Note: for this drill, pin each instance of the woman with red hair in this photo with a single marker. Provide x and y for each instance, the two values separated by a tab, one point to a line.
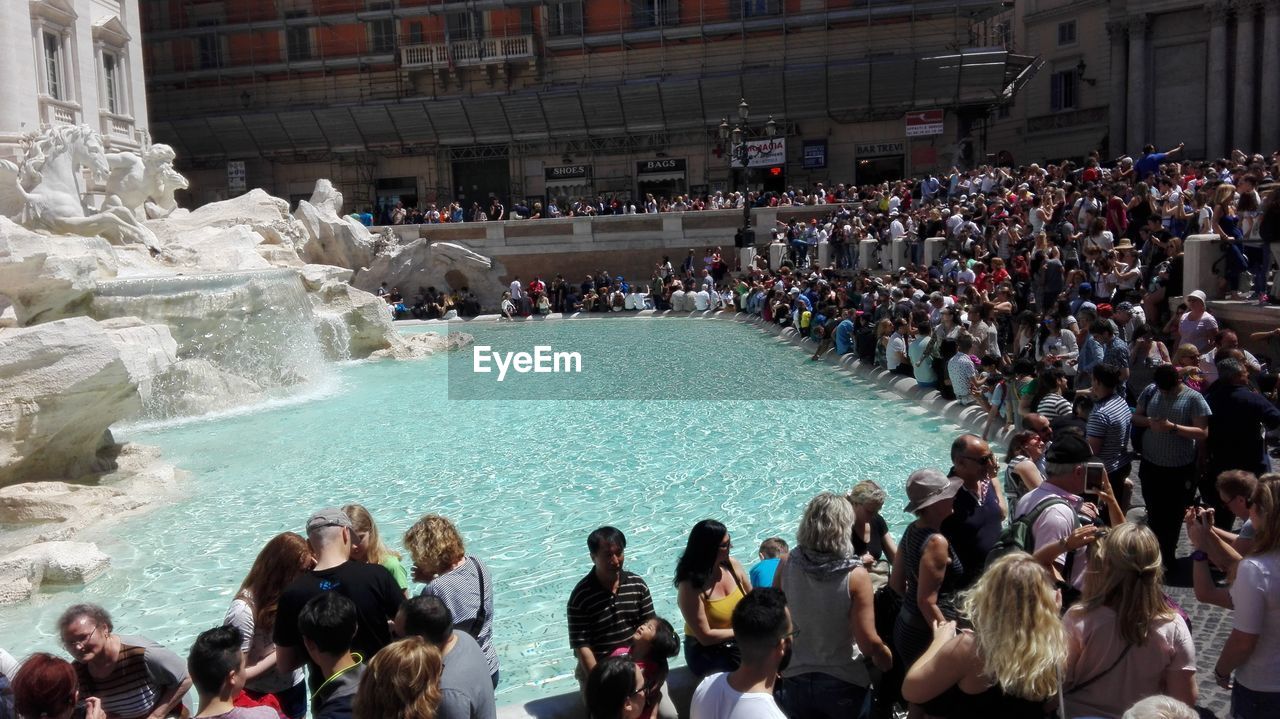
47	687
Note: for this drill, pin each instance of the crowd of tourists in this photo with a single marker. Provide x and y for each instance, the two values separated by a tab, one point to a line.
1052	607
1059	308
494	210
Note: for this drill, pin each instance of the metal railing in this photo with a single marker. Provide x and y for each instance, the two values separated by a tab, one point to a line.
463	53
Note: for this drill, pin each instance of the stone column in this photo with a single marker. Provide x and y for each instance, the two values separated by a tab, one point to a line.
1243	107
1119	33
1138	91
1216	96
1270	64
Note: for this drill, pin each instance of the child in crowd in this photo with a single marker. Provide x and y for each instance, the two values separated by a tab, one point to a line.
216	666
771	550
653	643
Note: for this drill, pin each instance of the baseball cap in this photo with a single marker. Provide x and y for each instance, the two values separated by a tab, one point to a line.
1125	307
329	517
1069	448
929	486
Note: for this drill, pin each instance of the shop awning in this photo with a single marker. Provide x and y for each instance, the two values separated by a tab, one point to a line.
660	177
880	88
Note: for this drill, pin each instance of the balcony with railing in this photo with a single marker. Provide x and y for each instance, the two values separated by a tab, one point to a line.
117	128
467	53
58	112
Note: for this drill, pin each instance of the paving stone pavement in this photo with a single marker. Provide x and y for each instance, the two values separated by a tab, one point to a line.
1210	625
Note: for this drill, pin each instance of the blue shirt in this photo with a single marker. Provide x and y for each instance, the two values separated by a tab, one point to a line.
844	337
762	574
1148	165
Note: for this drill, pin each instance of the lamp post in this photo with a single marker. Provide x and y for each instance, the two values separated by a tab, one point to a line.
737	137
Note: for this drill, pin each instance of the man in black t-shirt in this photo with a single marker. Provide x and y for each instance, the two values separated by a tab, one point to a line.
370	587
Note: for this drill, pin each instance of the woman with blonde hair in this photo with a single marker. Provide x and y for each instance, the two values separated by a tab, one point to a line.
1010	665
872	542
832	611
1187	359
463	582
253	612
402	681
367	545
1124	642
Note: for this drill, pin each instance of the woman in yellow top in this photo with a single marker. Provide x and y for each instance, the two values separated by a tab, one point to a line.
710	584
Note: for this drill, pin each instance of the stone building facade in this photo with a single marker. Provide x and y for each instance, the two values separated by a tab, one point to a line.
72	62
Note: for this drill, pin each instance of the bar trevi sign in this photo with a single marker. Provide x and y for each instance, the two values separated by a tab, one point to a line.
879	149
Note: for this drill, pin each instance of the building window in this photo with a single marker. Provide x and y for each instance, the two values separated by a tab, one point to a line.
566	18
1003	111
54	66
209	46
1064	90
466	26
1004	35
1067	33
297	39
654	13
415	33
758	8
113	84
382	35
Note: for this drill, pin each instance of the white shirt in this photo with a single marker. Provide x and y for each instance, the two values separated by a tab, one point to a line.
516	294
896	229
1256	596
715	699
701	299
896	344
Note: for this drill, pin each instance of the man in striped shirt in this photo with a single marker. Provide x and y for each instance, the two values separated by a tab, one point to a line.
1108	428
607	606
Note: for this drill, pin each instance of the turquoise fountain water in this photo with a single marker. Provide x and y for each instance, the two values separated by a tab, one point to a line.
525	481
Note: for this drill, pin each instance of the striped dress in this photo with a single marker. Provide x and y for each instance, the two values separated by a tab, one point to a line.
144	672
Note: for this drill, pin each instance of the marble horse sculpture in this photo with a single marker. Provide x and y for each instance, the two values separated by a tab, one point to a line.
144	184
44	193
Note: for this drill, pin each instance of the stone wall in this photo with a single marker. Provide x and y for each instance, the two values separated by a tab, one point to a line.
627	245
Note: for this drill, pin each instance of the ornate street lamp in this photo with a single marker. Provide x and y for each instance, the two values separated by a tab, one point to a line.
737	137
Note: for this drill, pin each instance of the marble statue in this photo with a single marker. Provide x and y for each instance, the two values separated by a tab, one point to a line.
137	180
44	193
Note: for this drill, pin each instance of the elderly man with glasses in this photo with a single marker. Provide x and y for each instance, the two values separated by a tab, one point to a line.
980	506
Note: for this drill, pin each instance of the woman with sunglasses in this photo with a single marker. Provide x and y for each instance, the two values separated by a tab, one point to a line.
616	690
1249	662
1023	466
709	584
132	677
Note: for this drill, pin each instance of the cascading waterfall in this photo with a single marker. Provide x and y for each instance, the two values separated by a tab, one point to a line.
240	335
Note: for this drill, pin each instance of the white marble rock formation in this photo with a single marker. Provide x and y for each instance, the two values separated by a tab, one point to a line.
62	384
